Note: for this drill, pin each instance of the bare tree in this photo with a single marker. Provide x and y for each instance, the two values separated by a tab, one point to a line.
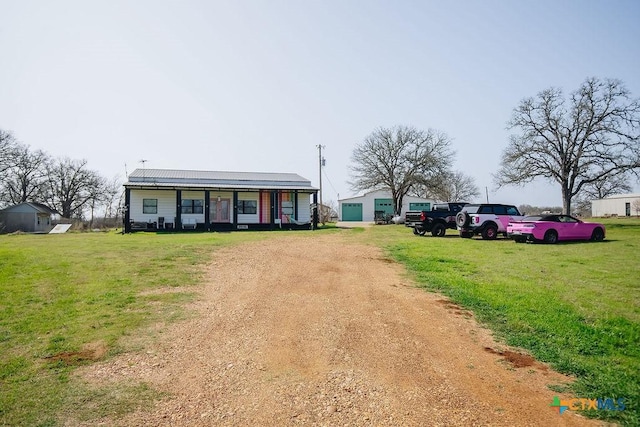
618	184
24	180
636	206
111	197
71	186
328	210
449	187
399	158
600	189
8	146
96	196
105	197
591	138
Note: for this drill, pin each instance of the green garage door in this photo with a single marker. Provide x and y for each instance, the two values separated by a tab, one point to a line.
385	205
420	206
352	211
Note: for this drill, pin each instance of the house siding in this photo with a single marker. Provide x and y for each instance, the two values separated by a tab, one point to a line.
250	218
166	205
304	211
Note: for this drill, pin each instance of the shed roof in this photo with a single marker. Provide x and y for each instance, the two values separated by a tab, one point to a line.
169	178
27	207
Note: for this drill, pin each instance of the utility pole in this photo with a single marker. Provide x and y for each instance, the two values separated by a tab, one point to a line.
321	163
486	190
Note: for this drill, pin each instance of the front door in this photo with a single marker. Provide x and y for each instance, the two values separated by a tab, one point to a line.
219	210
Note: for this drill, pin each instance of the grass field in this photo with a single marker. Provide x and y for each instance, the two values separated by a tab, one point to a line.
573	305
67	299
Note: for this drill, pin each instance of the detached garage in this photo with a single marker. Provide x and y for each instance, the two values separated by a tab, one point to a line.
363	208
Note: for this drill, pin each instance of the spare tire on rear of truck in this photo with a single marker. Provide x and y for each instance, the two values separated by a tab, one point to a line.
462	219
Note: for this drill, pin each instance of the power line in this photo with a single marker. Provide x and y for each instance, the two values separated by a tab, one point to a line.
330	183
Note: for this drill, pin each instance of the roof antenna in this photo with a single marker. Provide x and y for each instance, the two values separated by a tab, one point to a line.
143	161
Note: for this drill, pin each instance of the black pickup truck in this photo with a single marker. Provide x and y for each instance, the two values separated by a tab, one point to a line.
436	221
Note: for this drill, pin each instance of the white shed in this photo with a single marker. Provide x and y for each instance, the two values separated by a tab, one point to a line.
616	205
363	208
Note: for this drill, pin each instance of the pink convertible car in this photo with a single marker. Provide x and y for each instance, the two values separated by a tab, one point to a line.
553	228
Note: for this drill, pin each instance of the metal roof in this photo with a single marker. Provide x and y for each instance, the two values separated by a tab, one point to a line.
168	178
26	207
622	196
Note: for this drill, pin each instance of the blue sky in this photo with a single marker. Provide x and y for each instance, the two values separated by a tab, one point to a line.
256	85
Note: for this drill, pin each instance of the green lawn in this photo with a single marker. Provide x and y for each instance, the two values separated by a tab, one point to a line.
575	306
59	293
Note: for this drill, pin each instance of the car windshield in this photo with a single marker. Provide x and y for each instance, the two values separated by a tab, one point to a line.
533	218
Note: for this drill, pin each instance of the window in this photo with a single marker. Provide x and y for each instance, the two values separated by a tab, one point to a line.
192	206
512	210
247	206
150	206
500	210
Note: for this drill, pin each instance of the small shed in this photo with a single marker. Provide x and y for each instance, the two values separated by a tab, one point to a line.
616	205
29	217
363	208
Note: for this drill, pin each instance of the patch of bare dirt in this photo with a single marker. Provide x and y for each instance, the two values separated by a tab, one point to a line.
311	329
90	351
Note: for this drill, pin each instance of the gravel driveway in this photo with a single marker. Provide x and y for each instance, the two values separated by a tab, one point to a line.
313	329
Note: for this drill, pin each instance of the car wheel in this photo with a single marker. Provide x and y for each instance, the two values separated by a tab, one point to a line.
519	240
490	232
597	235
466	234
438	230
415	231
551	236
462	219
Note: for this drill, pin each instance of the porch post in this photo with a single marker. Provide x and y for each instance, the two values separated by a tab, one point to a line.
235	208
127	210
207	202
315	210
178	224
272	198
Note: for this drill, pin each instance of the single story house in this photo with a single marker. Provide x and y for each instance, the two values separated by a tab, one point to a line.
167	199
616	205
29	217
363	208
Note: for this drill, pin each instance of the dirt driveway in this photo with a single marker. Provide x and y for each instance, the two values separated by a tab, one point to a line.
307	329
